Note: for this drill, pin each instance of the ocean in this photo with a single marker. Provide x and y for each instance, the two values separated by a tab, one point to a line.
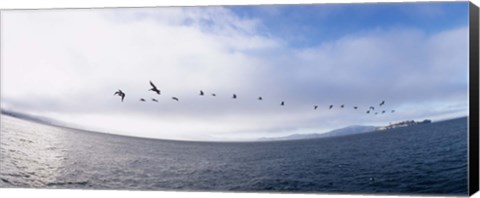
422	159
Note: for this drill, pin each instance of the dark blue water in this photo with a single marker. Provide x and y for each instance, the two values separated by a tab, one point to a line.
422	159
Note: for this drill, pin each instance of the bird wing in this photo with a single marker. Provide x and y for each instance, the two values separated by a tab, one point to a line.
153	85
117	92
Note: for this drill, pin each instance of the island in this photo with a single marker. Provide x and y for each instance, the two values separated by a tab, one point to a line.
403	124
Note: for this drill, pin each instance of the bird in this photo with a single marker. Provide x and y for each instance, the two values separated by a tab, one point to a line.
175	98
154	88
382	103
341	106
234	96
376	113
372	108
260	98
142	100
120	93
213	94
330	107
355	107
393	111
283	103
383	111
315	107
368	111
154	100
201	92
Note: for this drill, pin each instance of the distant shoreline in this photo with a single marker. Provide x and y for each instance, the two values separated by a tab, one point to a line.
54	123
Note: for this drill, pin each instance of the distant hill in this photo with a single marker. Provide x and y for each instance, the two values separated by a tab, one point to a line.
350	130
38	119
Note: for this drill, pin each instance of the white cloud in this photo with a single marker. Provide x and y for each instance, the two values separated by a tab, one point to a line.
67	64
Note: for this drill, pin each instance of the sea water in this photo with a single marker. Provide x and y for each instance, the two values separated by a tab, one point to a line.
421	159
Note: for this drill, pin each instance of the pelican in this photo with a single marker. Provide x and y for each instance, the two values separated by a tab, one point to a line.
315	107
330	107
154	88
234	96
142	100
382	103
283	103
260	98
341	106
154	100
120	93
355	107
201	92
175	98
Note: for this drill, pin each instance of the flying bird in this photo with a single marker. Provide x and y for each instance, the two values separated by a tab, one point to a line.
393	111
283	103
382	103
372	108
341	106
120	93
154	88
260	98
368	111
376	113
213	94
154	100
315	107
201	92
175	98
355	107
234	96
142	100
330	107
383	111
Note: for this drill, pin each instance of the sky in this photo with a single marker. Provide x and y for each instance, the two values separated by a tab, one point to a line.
66	65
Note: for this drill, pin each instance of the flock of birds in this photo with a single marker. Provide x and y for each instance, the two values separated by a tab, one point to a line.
371	109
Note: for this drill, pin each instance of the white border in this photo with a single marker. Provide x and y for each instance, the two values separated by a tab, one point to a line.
42	4
39	4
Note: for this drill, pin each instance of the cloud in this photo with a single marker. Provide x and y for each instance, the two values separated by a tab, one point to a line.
66	64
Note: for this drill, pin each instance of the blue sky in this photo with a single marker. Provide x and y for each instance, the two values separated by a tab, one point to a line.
309	25
413	56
